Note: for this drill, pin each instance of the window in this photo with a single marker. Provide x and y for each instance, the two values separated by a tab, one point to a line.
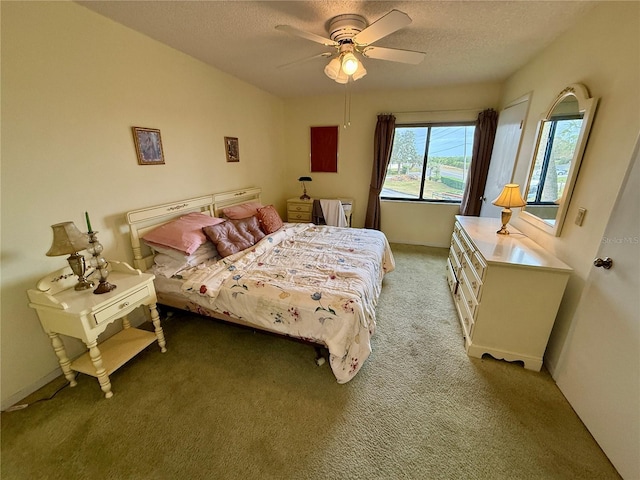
429	162
558	141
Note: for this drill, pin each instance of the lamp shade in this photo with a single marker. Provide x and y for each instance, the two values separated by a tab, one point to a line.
342	77
510	197
349	63
359	73
332	69
67	239
304	179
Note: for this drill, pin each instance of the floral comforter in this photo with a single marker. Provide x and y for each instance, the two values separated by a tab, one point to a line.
316	283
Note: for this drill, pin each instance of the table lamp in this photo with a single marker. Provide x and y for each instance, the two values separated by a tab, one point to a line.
67	239
508	199
304	195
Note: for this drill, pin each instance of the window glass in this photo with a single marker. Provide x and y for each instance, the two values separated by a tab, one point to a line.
558	141
429	162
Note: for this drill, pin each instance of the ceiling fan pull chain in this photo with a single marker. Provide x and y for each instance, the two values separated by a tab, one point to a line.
347	106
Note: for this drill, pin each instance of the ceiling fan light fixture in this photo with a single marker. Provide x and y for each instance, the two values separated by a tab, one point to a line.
342	77
359	73
349	63
332	69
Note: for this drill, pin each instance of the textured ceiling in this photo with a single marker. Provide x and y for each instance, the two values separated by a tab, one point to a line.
465	41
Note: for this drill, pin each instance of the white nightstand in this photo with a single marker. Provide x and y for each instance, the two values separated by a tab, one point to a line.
300	211
85	315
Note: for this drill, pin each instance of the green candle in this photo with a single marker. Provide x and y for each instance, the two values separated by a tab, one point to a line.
86	215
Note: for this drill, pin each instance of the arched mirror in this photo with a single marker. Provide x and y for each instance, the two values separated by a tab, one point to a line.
560	144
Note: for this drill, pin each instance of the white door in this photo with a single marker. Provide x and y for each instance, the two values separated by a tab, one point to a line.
505	150
599	370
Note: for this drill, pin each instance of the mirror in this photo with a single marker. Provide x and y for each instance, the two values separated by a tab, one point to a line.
561	140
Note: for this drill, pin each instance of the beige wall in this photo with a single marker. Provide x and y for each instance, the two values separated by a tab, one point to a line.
426	224
603	53
73	85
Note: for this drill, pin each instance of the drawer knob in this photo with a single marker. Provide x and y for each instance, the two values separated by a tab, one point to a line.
124	305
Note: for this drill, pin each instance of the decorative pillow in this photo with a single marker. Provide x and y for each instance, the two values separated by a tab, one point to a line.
234	236
249	228
270	220
245	210
183	234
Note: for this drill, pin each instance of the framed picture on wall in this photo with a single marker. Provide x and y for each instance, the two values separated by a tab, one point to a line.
232	149
148	146
324	149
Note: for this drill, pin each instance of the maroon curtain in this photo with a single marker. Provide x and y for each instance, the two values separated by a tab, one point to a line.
382	143
483	138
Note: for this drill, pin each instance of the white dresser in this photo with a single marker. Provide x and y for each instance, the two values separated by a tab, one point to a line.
506	289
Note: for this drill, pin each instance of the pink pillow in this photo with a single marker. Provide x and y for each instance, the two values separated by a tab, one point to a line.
269	218
245	210
183	234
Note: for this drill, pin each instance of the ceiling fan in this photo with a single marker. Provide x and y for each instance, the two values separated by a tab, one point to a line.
350	34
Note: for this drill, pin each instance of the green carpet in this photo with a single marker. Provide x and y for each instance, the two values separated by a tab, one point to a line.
226	402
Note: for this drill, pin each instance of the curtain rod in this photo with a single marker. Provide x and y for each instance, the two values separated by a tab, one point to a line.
441	111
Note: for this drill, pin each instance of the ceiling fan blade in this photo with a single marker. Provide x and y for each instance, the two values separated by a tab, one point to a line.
394	55
308	35
392	21
304	60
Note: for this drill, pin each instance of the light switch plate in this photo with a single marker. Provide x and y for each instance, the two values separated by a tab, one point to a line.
580	216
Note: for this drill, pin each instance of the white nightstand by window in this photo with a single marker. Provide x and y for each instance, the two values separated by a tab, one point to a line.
85	315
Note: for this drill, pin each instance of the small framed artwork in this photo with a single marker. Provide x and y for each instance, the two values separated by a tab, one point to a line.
148	146
232	149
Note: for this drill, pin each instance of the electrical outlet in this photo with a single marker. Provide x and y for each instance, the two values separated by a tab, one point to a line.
580	216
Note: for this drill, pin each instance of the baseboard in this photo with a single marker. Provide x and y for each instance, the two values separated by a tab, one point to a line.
25	392
419	244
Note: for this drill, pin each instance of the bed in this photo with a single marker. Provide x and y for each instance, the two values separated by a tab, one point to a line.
318	284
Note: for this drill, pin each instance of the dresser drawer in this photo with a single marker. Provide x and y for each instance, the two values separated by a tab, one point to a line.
115	310
456	246
479	265
455	261
468	294
452	279
474	280
294	216
467	244
465	315
300	207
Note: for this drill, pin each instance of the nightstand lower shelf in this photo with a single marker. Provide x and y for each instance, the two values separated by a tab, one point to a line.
115	351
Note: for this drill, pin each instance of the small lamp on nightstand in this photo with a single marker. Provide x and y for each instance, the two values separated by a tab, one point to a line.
67	239
508	199
304	195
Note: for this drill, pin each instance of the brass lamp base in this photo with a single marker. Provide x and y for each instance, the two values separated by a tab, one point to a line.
79	267
104	287
505	217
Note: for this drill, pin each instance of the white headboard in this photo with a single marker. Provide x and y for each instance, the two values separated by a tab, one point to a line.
146	219
234	197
